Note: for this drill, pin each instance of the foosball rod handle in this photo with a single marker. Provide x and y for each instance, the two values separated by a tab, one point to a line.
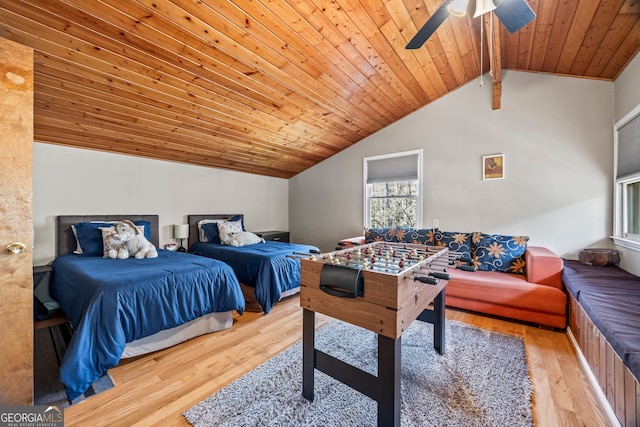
427	280
438	275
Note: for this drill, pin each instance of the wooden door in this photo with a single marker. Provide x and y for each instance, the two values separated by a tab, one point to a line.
16	223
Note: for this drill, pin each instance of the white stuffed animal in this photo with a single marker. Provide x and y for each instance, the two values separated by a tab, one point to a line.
134	240
113	246
243	238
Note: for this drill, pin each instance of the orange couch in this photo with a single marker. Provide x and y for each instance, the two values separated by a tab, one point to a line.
537	297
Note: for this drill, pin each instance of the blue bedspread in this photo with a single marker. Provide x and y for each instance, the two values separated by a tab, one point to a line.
263	266
111	302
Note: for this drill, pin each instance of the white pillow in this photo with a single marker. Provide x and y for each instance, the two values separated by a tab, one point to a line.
227	227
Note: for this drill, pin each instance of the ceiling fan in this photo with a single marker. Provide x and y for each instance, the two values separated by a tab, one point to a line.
514	14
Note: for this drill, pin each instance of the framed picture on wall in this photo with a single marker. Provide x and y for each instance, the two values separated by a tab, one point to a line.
493	166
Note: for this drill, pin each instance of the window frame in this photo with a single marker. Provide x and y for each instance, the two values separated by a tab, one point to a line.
419	187
620	237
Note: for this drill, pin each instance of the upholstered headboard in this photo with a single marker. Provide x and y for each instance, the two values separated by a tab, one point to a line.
193	224
66	241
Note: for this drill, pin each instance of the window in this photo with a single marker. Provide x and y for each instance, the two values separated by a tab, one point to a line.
627	190
393	190
632	193
629	211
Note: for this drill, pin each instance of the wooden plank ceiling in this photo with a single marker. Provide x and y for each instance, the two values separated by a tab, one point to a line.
273	87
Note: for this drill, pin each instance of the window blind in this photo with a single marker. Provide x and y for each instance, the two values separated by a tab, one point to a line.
400	168
629	148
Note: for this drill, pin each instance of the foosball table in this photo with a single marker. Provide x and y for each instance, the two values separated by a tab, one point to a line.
382	287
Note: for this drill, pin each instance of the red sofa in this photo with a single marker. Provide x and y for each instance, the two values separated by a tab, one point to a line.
537	297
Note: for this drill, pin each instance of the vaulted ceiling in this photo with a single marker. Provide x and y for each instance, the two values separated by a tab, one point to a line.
273	87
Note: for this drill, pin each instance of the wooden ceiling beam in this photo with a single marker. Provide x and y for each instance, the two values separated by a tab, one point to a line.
493	41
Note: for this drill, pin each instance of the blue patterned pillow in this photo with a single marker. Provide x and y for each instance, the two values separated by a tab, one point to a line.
422	236
501	253
456	242
398	234
386	234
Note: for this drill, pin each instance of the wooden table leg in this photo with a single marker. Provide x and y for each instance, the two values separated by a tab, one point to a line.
389	377
438	325
308	353
437	318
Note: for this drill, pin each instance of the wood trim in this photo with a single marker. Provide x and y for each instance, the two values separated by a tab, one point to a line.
617	383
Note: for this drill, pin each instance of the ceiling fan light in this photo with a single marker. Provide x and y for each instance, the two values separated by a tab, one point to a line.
458	7
483	6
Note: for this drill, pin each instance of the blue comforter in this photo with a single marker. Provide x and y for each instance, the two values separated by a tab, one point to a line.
263	266
111	302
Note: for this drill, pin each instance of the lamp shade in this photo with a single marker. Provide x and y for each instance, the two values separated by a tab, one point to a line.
181	231
458	7
483	6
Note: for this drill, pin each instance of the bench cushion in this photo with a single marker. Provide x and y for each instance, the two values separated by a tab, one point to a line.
611	297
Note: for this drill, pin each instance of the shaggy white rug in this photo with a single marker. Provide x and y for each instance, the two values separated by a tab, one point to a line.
482	380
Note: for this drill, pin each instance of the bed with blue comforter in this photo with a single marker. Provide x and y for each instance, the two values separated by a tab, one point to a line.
271	267
112	302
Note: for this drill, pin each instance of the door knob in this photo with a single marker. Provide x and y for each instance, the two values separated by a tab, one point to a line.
15	248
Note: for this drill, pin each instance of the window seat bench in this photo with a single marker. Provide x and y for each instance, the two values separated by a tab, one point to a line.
604	320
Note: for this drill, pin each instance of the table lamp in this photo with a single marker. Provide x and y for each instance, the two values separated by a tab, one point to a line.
181	231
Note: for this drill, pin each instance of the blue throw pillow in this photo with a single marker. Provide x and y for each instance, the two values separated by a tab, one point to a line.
89	235
455	241
211	232
421	236
147	228
501	253
386	234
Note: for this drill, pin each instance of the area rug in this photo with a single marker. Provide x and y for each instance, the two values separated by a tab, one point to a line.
482	380
49	347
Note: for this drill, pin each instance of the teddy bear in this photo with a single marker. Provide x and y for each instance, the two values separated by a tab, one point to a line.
242	238
134	241
113	246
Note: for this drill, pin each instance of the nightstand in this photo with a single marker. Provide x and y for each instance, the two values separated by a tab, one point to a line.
47	312
274	235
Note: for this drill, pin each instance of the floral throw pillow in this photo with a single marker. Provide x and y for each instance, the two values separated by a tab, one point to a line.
501	253
423	236
455	241
386	234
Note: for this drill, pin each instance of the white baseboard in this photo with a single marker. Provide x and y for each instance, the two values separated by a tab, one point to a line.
593	381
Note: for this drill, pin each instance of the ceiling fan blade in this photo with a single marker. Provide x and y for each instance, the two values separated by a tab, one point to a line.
429	27
514	14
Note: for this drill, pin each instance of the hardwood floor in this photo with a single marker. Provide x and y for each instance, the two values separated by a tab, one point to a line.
155	389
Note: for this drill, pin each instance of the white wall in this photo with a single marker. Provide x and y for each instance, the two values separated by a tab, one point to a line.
627	89
627	92
70	181
556	134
